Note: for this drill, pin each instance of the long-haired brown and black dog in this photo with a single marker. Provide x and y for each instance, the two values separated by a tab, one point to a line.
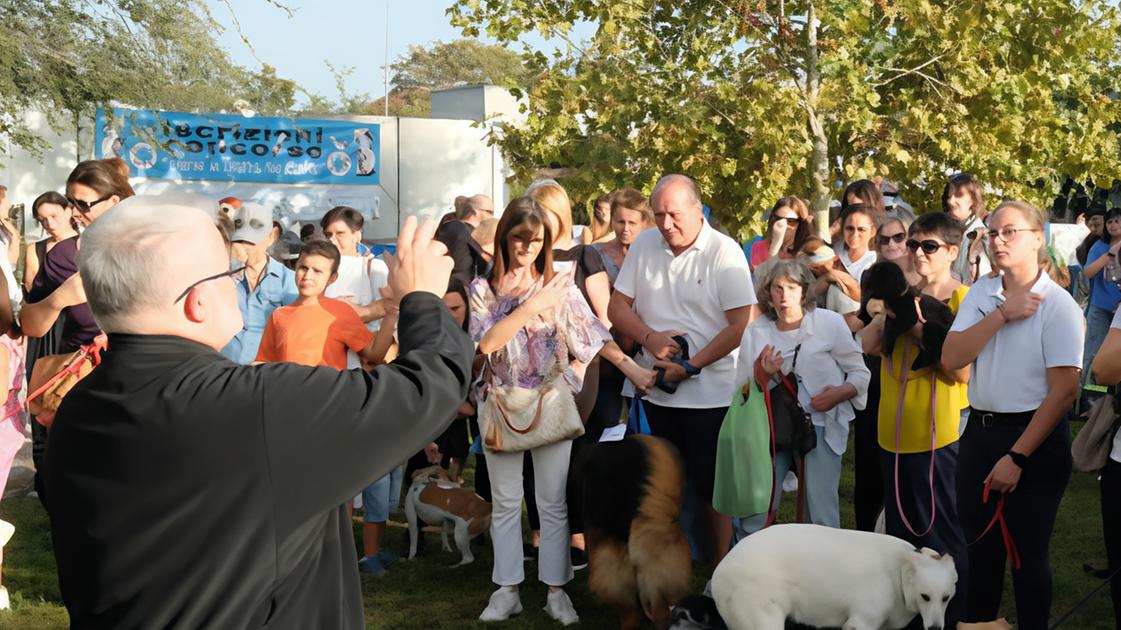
638	556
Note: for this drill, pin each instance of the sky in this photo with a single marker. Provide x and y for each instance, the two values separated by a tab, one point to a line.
348	33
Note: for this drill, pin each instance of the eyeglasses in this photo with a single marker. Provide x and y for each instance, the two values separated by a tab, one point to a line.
928	246
896	238
236	274
851	229
1008	234
85	206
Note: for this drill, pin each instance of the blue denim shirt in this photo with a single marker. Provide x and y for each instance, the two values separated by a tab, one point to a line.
277	288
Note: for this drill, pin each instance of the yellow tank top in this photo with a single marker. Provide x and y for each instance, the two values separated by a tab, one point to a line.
915	418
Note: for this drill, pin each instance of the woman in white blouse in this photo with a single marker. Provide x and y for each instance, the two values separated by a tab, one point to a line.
830	374
1022	333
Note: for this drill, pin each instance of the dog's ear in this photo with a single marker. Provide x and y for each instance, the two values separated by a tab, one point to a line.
907	580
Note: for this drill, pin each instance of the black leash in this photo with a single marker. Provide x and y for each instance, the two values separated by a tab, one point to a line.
1082	602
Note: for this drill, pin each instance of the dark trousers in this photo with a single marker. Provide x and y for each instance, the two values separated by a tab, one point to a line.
945	534
1029	511
1111	528
868	490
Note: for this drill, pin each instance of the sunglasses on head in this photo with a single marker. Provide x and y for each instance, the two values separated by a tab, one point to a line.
928	246
85	206
894	238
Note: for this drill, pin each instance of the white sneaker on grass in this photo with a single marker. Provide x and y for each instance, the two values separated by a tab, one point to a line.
504	603
559	607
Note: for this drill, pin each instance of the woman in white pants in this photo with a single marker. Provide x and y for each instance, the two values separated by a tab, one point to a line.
533	325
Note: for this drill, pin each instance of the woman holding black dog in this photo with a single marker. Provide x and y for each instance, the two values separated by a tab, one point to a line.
815	350
1023	335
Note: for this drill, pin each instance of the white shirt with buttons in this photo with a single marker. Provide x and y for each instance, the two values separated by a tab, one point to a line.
1010	373
689	292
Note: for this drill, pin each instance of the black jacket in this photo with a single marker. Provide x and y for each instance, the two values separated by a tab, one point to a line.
187	491
468	256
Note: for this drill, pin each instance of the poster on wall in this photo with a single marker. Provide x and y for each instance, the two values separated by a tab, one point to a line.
223	147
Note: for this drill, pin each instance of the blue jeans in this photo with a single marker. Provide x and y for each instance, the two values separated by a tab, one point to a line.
1097	326
380	498
822	478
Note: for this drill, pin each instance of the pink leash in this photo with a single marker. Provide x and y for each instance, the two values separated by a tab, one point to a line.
933	440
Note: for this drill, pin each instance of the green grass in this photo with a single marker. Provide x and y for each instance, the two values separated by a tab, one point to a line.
425	593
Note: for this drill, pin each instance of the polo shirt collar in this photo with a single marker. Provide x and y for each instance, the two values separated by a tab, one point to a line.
1040	286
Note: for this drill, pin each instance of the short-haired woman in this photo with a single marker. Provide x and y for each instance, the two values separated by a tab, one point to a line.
813	346
1022	334
964	202
532	323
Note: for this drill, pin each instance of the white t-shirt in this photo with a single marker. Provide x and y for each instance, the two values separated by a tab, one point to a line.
1115	454
856	268
360	278
14	292
689	292
1010	373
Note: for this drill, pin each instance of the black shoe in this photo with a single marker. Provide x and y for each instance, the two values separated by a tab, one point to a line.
579	558
529	551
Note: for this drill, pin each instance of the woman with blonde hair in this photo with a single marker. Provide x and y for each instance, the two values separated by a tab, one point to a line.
630	215
1022	333
600	230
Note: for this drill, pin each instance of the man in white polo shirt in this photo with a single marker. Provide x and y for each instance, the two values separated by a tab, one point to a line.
688	280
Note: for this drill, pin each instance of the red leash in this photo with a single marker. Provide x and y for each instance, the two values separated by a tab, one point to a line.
772	511
998	517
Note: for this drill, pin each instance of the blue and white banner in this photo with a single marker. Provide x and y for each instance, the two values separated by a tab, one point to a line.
177	145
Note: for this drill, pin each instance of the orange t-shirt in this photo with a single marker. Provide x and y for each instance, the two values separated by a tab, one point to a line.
314	334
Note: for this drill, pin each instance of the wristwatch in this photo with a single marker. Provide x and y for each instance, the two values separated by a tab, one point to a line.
690	369
1019	459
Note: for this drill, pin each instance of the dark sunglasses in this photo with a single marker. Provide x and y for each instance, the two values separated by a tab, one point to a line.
790	220
928	246
85	206
236	274
894	238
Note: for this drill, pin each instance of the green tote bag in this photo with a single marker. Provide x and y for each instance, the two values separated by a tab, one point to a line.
744	472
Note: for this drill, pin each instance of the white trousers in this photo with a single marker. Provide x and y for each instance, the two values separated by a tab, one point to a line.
550	473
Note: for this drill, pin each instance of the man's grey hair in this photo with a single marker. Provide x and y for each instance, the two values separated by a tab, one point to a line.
470	207
668	180
124	257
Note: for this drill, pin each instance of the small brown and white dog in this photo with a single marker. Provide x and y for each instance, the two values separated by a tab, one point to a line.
437	500
999	624
638	556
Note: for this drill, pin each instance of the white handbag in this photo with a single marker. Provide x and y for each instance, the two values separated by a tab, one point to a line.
516	419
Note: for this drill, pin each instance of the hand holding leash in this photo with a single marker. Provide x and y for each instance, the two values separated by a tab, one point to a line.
660	344
770	360
1004	477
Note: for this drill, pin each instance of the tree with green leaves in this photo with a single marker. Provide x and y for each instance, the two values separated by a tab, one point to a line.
68	57
761	98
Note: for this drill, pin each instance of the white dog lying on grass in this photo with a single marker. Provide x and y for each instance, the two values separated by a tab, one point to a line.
831	578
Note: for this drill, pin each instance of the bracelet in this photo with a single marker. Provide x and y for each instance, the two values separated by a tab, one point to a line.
1019	459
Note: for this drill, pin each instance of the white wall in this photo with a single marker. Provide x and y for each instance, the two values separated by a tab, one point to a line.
27	176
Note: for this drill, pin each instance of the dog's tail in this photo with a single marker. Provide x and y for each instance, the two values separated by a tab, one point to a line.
658	547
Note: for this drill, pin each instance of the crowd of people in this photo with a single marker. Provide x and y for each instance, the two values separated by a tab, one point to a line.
651	309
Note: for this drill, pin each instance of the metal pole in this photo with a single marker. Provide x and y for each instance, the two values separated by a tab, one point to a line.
386	66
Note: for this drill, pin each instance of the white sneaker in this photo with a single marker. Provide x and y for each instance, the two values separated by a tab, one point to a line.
6	531
559	607
5	604
504	603
790	482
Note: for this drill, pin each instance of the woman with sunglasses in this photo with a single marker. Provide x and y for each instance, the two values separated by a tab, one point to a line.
891	245
788	227
56	294
1022	333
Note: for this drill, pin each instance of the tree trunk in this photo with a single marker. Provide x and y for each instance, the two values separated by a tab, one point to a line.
819	158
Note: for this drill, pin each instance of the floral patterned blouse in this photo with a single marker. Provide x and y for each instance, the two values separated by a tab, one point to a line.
534	353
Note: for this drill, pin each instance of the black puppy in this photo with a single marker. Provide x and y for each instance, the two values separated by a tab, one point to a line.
885	288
